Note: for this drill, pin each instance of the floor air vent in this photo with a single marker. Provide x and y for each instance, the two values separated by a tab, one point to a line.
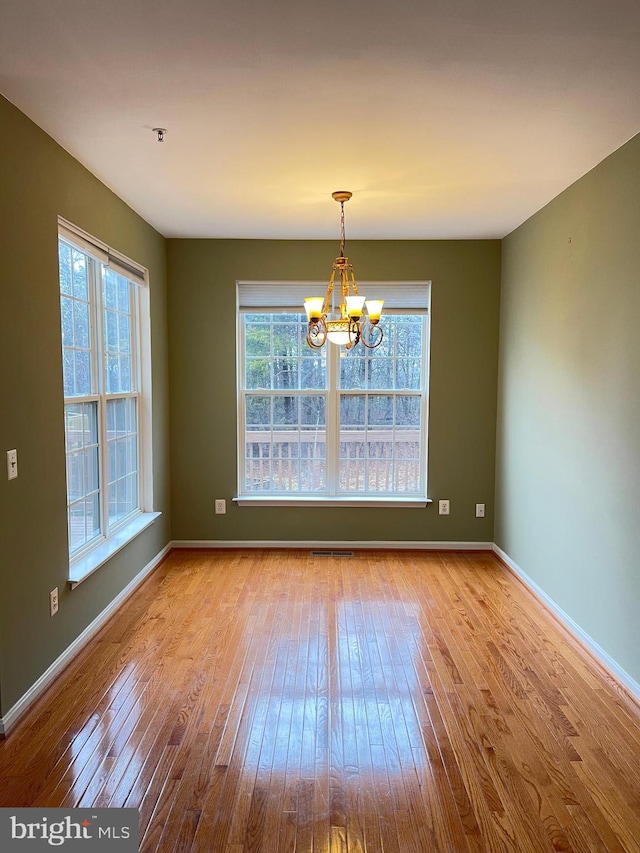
332	553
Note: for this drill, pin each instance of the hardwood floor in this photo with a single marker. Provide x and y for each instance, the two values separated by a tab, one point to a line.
384	703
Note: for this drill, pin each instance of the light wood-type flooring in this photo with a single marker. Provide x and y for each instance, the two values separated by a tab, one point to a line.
388	702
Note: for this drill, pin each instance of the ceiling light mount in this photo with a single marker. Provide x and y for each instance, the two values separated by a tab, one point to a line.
356	318
161	132
341	196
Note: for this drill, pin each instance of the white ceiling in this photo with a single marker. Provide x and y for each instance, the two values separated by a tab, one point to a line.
445	118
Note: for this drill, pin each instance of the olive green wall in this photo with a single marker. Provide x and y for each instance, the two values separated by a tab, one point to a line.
202	278
568	440
38	182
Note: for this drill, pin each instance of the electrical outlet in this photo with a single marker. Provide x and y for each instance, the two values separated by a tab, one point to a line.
221	506
479	510
12	464
53	602
444	507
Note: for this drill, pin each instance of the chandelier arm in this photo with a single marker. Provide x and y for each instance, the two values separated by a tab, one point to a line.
326	308
344	290
354	326
379	340
317	330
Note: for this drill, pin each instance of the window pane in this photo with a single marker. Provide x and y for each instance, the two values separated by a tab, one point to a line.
66	311
258	410
117	333
123	294
313	476
380	475
74	477
406	444
82	374
408	373
81	325
285	461
257	339
257	474
90	466
109	289
352	474
67	372
380	410
75	520
406	475
131	415
381	373
79	275
122	457
312	410
124	333
112	374
285	410
64	264
352	410
285	373
83	482
258	373
74	317
313	371
408	410
111	331
353	370
387	347
126	379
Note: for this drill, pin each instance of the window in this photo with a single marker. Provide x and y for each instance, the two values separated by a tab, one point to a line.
104	379
331	423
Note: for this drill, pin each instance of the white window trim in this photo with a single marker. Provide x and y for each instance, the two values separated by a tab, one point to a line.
285	297
90	561
330	500
96	553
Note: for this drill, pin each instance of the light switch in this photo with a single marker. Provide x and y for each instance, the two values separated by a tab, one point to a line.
12	464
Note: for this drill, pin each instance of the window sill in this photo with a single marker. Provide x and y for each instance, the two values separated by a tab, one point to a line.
92	561
382	501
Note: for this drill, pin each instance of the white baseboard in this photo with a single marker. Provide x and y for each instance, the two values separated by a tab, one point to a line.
22	705
337	544
613	668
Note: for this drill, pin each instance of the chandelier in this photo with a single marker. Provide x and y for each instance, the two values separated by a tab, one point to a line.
356	319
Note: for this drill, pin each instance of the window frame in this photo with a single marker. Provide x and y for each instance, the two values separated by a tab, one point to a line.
284	292
113	534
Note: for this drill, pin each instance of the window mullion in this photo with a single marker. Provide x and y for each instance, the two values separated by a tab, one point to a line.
333	419
242	427
134	339
424	411
136	373
102	405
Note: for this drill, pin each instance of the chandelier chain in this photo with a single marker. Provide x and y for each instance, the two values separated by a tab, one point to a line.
342	235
